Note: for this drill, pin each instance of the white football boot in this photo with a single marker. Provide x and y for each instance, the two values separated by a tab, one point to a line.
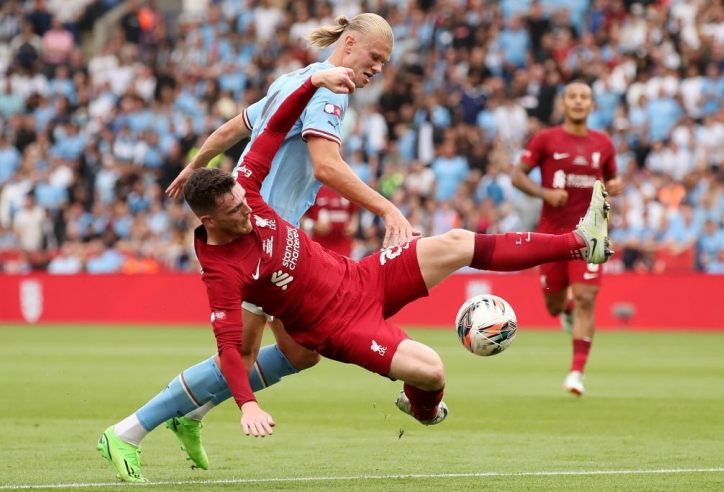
593	227
574	383
403	403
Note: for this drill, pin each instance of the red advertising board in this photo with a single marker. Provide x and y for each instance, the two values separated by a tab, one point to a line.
671	301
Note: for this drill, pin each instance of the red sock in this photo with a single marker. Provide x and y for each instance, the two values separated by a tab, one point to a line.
423	403
515	251
581	347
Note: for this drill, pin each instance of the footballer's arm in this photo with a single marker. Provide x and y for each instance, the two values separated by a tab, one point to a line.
225	304
521	180
218	142
332	171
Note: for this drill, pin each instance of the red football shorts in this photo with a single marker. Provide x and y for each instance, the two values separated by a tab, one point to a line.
558	275
388	280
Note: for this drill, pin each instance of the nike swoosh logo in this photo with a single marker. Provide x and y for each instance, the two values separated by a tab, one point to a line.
593	248
255	275
589	276
558	156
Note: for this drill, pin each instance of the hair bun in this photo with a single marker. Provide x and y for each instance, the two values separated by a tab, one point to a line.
342	20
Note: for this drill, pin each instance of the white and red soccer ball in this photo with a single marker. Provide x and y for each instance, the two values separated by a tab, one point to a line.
486	324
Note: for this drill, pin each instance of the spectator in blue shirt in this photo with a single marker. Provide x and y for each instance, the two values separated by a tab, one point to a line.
450	171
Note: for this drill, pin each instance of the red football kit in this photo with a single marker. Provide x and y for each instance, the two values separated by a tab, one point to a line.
572	163
327	302
337	211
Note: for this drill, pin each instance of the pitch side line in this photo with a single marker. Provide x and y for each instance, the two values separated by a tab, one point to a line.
369	477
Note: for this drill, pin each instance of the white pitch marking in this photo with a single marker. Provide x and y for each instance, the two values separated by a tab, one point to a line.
369	477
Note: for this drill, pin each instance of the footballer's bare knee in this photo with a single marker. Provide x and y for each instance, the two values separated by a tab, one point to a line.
432	375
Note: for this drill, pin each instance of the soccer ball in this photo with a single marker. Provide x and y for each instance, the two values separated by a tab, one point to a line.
486	324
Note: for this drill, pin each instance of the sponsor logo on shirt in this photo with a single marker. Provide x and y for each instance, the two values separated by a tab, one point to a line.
217	315
281	279
330	108
562	180
580	181
291	251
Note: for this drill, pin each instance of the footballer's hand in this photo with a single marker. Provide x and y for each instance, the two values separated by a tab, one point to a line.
555	197
614	186
256	421
176	189
338	79
398	230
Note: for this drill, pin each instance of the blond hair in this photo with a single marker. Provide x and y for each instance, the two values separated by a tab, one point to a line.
367	24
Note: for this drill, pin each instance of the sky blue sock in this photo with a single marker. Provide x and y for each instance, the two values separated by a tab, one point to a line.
189	390
270	367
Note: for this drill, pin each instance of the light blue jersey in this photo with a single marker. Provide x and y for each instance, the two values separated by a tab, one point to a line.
290	188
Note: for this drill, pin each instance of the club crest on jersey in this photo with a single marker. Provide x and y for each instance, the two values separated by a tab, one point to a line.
330	108
262	222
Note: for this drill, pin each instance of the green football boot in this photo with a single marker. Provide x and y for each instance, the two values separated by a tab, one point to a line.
188	433
123	457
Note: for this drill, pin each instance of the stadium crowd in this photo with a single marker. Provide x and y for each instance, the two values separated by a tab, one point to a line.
89	140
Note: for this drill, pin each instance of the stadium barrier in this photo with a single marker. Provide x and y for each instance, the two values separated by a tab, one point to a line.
642	302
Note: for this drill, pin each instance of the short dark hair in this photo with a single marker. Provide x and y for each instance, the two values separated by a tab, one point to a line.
204	188
578	81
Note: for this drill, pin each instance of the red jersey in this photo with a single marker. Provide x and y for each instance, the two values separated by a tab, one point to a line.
572	163
337	211
276	266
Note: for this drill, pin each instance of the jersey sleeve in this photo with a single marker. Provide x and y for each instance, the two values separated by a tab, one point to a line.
225	304
323	116
253	112
534	153
256	163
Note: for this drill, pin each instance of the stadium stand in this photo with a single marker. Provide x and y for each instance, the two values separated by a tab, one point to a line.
97	122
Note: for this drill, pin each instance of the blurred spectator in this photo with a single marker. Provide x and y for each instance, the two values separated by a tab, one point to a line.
29	223
67	261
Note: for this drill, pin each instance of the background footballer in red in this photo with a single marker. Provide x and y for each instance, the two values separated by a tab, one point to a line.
332	221
571	157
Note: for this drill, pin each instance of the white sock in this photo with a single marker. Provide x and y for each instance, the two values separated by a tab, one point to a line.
200	413
130	430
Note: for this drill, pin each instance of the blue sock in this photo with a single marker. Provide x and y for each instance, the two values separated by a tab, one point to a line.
189	390
270	367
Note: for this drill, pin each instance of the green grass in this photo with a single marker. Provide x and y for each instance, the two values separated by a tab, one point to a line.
654	402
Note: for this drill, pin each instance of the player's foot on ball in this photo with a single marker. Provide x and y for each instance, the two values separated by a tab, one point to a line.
593	228
188	432
574	383
123	457
403	403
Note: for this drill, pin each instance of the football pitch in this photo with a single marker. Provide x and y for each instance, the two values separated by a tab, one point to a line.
652	418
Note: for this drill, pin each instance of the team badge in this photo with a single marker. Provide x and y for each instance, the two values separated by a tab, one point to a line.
330	108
